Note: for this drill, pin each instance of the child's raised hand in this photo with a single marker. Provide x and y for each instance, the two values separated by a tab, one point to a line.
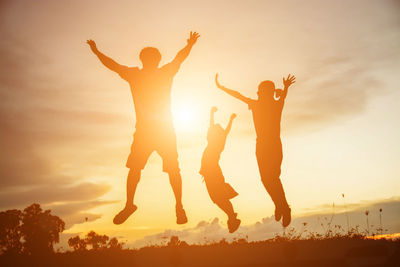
233	116
214	109
289	80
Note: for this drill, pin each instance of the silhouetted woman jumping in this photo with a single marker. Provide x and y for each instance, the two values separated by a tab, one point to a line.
220	192
267	113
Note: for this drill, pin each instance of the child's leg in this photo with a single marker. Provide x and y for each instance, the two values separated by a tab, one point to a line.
233	222
227	207
274	187
269	159
269	163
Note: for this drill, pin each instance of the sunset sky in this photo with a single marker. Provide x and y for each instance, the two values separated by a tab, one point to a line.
66	122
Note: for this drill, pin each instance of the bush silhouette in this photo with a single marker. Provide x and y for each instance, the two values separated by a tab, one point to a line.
94	241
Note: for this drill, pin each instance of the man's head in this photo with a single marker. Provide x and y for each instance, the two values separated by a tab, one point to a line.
150	57
266	89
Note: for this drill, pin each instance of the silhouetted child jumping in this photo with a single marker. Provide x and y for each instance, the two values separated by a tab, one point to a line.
219	191
267	113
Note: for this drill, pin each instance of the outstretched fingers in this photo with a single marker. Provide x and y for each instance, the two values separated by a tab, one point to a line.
193	37
290	79
194	34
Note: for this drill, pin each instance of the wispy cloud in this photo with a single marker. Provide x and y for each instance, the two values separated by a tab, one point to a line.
339	87
77	212
55	193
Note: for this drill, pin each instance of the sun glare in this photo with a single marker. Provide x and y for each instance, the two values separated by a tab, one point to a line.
185	118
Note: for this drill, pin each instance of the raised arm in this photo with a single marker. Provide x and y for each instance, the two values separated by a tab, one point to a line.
213	110
184	53
107	61
286	82
232	92
229	126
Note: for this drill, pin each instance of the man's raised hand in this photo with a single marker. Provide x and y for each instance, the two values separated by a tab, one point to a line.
92	45
289	81
233	116
193	38
214	109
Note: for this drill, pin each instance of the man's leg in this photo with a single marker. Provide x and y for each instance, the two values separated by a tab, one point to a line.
175	180
131	184
169	154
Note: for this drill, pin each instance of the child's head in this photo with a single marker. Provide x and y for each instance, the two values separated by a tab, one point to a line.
216	134
266	89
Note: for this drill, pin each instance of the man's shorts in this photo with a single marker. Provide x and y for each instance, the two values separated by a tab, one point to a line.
145	142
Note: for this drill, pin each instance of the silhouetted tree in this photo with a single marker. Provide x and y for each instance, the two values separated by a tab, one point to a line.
10	231
77	243
40	230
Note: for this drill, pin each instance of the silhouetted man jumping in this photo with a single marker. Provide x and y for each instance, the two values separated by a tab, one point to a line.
267	113
151	93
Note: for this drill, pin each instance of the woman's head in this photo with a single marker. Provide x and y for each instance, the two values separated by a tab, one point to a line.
266	89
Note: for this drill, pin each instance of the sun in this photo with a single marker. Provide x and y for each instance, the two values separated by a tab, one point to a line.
185	118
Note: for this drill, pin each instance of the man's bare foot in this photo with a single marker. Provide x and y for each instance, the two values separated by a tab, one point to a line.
181	215
124	214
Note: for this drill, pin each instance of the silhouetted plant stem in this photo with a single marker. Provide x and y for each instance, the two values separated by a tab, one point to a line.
347	215
366	214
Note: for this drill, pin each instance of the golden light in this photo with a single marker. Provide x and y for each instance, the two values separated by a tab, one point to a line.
185	118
